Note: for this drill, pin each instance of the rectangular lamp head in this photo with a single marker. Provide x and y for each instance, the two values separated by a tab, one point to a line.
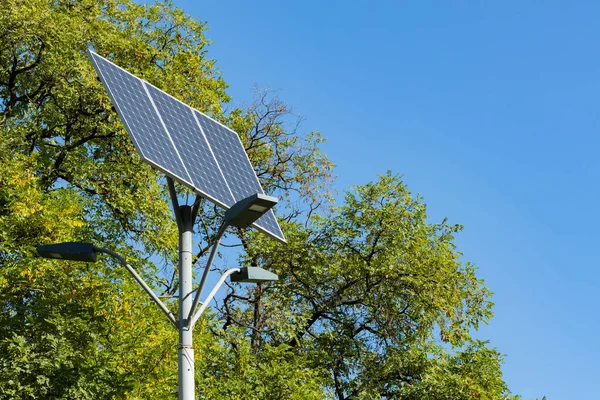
253	275
243	213
73	251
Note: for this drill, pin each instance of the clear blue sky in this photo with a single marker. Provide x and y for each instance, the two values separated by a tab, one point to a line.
491	112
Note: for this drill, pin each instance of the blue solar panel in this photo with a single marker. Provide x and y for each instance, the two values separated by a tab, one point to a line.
184	143
193	148
141	120
236	167
231	156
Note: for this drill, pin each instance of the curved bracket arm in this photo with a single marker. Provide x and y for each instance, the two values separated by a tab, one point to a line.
139	280
174	201
211	295
213	253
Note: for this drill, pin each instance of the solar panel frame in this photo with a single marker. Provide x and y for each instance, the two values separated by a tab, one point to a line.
262	223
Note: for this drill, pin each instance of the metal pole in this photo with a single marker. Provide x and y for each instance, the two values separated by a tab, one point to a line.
185	352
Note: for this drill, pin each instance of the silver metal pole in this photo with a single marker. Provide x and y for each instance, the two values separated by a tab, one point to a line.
185	352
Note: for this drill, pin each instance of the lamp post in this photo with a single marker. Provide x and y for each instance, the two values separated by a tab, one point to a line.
241	215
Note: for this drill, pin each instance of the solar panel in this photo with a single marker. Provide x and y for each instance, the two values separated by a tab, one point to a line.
185	144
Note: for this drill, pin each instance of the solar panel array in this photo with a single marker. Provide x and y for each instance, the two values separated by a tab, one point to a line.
182	142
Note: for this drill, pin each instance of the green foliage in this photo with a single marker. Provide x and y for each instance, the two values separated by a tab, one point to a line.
363	290
241	373
66	329
374	301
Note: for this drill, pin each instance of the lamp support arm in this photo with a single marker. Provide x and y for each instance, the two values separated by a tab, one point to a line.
211	295
175	202
141	282
211	258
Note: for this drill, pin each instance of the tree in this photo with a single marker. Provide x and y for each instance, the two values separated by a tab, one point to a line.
369	291
362	292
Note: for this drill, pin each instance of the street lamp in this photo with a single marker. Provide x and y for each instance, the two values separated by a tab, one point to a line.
69	251
76	251
240	215
243	213
87	252
253	275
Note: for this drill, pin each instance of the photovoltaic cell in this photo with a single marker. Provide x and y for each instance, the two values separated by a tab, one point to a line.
236	167
191	145
141	120
231	156
184	143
